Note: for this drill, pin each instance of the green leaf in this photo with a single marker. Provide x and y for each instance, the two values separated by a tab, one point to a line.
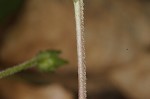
49	60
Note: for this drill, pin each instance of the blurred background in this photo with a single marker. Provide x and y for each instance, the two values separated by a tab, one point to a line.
117	48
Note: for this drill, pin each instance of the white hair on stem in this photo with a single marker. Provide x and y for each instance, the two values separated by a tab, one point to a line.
79	17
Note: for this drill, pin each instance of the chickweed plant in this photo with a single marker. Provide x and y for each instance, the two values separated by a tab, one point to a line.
46	61
49	60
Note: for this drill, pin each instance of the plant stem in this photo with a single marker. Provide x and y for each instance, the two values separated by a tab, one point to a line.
79	17
18	68
46	61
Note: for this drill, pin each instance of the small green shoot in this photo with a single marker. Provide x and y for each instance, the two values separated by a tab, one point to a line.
46	61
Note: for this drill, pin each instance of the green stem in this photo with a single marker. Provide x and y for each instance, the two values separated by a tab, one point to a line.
18	68
44	61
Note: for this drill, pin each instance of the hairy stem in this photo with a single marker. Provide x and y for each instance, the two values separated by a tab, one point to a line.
79	17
